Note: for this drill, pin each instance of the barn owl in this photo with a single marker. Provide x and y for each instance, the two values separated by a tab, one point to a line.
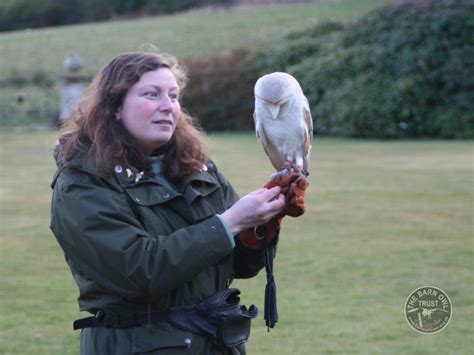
283	122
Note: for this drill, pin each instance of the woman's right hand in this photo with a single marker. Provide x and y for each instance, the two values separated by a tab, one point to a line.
254	209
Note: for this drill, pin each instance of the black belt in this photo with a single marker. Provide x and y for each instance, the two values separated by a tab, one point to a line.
220	316
120	320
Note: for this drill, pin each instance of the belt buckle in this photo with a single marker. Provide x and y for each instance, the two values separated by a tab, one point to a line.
99	315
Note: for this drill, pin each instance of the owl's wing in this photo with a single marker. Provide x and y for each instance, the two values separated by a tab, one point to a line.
308	134
275	157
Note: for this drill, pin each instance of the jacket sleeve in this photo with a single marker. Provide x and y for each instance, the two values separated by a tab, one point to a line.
99	232
247	262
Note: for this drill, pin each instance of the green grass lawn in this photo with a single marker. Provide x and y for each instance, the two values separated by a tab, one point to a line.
384	218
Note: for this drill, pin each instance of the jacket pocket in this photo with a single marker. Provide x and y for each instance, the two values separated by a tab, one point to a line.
160	339
205	201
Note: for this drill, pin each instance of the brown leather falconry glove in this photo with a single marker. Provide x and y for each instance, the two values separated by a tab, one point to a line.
293	186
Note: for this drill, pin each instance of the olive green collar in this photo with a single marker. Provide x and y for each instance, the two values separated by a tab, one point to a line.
190	186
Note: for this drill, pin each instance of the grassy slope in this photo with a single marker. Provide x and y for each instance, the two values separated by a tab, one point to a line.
40	53
191	34
383	219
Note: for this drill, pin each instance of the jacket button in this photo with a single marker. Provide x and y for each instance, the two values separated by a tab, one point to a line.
118	169
137	199
166	195
213	228
187	341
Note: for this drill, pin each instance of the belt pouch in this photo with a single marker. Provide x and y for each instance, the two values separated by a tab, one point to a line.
219	317
234	330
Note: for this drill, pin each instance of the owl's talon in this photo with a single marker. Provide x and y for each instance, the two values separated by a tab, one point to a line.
277	174
282	172
289	169
296	169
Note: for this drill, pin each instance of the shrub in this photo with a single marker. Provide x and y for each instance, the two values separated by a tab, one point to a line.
18	14
403	70
171	6
21	14
124	6
77	11
220	94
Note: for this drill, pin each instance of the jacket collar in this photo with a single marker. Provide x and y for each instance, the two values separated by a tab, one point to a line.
79	162
191	186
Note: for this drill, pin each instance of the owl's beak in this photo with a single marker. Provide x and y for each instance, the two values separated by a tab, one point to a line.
274	110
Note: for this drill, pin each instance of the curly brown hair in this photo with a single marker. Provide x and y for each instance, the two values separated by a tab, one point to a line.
92	127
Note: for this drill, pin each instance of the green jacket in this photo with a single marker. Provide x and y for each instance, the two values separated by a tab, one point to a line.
134	245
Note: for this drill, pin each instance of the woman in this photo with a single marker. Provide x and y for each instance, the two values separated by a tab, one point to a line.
148	225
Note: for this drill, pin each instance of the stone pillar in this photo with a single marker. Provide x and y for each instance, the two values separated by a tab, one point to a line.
73	85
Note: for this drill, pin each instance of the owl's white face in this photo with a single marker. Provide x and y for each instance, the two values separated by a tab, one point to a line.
275	87
272	92
271	110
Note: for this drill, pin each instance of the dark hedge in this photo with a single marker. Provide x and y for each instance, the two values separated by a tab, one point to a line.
403	70
220	93
21	14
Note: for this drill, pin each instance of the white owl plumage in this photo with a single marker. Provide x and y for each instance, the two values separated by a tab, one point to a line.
283	121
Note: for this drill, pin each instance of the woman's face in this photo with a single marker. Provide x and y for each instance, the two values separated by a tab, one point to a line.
150	109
